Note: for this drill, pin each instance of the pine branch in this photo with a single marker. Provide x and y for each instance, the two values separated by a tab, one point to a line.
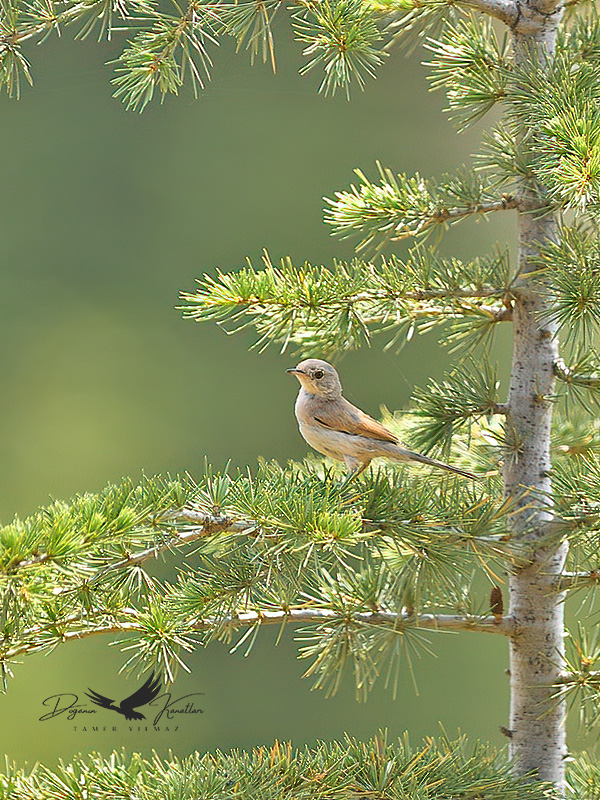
570	581
341	36
573	378
468	393
288	542
560	112
418	16
504	10
44	17
251	24
304	616
577	487
400	206
575	435
38	19
472	65
329	623
381	767
579	681
110	523
166	49
362	605
592	678
107	527
505	156
160	58
584	773
329	310
210	525
13	65
583	386
570	272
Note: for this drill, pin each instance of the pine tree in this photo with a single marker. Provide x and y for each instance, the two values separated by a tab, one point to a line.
371	567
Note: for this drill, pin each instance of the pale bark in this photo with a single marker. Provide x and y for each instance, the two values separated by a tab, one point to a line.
504	10
537	731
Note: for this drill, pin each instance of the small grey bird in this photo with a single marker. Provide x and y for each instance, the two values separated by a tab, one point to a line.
336	428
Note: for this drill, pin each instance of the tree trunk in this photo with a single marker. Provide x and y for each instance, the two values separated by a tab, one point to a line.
538	740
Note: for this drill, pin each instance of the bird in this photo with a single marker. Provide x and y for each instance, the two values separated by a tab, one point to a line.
145	694
336	428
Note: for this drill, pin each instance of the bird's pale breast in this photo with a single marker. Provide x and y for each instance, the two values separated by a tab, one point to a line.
337	444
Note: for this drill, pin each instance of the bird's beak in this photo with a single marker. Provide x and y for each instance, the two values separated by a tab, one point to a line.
295	371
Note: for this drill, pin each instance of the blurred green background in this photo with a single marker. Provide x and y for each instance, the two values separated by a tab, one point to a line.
106	215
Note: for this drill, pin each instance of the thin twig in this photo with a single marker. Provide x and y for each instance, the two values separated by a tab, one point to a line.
208	525
441	294
564	678
507	203
296	616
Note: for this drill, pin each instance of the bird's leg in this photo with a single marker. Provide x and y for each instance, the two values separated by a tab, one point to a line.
355	467
361	469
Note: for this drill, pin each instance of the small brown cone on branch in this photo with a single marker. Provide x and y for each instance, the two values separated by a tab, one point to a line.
497	603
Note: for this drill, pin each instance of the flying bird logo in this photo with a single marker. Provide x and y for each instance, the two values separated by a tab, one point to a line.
144	695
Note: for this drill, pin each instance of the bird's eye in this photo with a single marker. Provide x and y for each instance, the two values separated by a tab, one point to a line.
318	374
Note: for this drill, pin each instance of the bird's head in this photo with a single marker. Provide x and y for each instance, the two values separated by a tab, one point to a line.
318	377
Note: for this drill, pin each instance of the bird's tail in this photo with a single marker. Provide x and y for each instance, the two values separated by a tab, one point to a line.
408	454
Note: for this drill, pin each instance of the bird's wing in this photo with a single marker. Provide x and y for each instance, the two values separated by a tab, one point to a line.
343	416
143	695
99	699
